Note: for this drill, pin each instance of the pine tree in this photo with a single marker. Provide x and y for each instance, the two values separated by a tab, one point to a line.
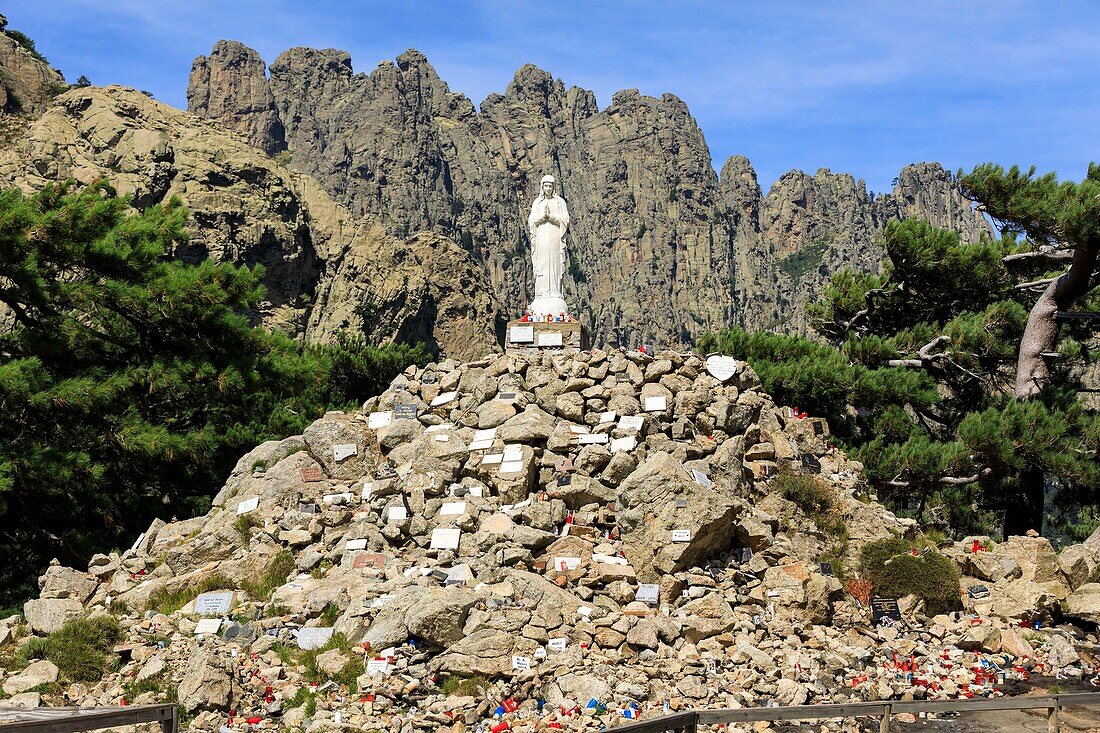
130	384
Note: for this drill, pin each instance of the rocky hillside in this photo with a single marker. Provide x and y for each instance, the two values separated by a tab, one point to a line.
327	270
662	249
556	540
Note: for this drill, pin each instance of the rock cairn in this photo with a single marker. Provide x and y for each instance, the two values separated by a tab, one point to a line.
546	541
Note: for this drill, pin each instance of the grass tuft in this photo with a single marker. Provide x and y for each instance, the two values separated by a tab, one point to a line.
81	649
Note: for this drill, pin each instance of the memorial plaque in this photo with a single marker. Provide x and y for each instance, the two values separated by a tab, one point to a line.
344	497
702	479
489	434
656	404
368	491
579	429
477	491
681	503
452	508
721	367
648	593
139	540
826	568
444	398
810	463
442	438
445	538
248	505
307	508
313	638
521	334
377	420
540	653
506	396
208	626
624	444
882	608
343	451
312	474
397	514
606	417
564	480
369	560
550	339
379	665
565	564
215	603
557	645
978	592
681	535
592	438
513	453
405	411
511	467
631	422
521	664
359	544
490	459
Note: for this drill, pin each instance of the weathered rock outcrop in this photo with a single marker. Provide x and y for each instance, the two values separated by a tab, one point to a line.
26	82
326	270
661	250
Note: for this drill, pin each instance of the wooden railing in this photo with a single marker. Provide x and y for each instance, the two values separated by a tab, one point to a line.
71	720
688	722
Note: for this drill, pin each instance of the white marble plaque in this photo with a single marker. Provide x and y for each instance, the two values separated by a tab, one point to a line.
557	645
565	564
313	638
477	491
521	664
550	339
540	653
344	497
379	420
599	557
701	478
489	434
481	445
648	593
248	505
511	467
592	438
681	535
368	491
513	453
631	422
656	404
452	508
215	603
381	600
606	417
444	398
397	514
521	334
721	367
441	426
344	451
360	544
579	429
621	444
445	538
442	438
492	458
378	666
208	626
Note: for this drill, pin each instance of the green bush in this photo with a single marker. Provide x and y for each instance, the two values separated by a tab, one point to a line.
873	557
81	649
894	571
817	499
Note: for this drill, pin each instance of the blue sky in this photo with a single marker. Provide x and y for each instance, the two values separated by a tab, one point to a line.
861	87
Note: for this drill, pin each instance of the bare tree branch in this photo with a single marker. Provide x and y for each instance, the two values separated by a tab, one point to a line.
948	480
924	355
1051	255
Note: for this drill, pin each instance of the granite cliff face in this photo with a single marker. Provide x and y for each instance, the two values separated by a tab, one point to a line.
661	249
247	208
26	82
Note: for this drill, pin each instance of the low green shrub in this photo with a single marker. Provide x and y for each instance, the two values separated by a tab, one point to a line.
894	571
169	601
274	576
873	557
81	649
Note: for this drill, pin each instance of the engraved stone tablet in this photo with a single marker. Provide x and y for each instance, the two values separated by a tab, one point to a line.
621	444
397	514
565	564
445	538
378	666
444	398
506	396
248	505
882	608
481	445
379	420
550	339
359	544
656	404
648	593
215	603
606	417
557	645
511	467
489	434
405	411
307	507
492	458
721	367
343	451
311	474
592	438
369	560
208	626
521	334
314	638
631	422
701	478
681	535
452	508
513	453
681	503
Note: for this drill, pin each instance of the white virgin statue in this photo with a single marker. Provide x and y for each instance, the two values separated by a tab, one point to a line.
547	224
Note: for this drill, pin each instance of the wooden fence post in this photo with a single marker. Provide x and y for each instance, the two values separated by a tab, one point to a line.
884	724
1052	717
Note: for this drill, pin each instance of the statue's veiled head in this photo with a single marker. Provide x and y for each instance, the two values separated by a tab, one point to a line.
547	186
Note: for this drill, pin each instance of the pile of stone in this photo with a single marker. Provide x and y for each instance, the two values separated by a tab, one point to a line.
548	540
